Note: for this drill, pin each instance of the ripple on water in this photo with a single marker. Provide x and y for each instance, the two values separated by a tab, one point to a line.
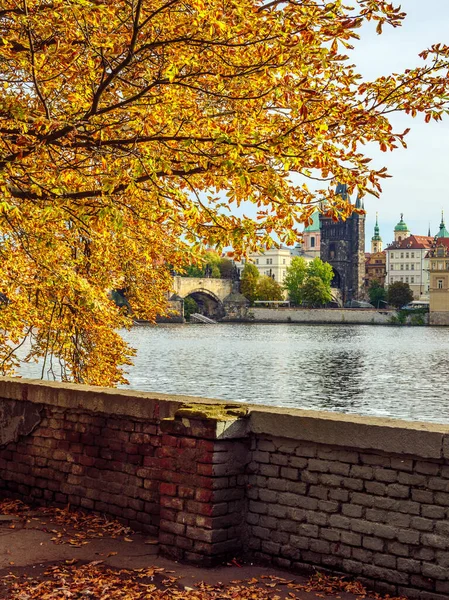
383	371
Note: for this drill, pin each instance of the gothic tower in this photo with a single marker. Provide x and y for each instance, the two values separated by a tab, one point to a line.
343	247
376	240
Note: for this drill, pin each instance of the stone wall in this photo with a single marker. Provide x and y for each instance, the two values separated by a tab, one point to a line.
439	317
320	315
298	489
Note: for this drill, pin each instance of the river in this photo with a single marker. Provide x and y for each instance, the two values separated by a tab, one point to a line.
400	372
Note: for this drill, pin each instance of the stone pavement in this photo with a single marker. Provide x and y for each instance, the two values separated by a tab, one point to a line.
33	541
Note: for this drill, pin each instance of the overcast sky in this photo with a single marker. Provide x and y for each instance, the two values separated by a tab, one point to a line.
419	186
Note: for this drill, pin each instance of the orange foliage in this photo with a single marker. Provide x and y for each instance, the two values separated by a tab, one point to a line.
125	122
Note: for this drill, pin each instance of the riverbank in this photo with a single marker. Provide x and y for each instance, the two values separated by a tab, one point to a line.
350	316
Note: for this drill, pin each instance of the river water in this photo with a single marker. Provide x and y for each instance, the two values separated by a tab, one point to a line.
399	372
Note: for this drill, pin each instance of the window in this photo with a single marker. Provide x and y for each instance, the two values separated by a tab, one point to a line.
402	267
283	261
406	255
406	280
402	279
440	265
391	279
312	242
392	255
406	267
412	280
269	261
257	261
283	274
412	254
402	255
440	284
412	267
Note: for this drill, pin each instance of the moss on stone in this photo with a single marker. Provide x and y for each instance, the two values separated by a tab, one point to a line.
216	412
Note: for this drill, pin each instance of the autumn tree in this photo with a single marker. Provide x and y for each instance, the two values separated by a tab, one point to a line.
248	282
268	289
130	128
294	279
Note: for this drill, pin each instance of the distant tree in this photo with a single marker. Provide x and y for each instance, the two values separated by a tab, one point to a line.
376	293
323	270
211	259
315	292
294	278
248	282
190	307
269	289
226	267
399	293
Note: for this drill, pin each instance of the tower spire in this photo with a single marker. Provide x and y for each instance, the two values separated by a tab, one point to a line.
428	233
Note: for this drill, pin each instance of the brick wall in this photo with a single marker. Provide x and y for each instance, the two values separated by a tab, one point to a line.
381	517
300	490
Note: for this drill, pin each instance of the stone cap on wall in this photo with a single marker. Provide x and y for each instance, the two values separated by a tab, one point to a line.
426	440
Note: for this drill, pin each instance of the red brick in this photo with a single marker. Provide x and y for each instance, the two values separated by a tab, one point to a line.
168	489
146	450
170	440
204	495
188	443
151	461
167	452
87	461
170	502
186	492
205	469
206	445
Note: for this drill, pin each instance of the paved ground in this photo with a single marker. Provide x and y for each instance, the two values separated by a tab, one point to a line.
39	547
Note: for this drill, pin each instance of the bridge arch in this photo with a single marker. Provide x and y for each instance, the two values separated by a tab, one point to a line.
209	304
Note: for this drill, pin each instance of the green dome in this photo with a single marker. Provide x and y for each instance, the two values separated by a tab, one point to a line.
315	225
401	226
443	233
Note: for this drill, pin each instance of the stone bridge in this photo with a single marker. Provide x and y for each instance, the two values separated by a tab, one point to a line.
208	293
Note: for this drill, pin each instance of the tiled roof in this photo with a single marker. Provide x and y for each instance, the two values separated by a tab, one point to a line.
413	242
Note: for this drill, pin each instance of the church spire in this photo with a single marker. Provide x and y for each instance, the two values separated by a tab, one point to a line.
376	240
443	232
428	233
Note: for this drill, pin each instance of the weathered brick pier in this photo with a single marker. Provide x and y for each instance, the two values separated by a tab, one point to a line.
213	480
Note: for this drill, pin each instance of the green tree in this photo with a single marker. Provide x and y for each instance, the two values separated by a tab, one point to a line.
209	259
315	292
269	289
226	267
399	293
294	278
190	307
248	282
376	293
323	270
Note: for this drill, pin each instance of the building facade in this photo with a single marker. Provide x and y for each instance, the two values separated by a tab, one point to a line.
375	262
273	262
407	261
438	258
342	245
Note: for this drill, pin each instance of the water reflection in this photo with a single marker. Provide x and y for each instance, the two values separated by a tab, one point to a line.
385	371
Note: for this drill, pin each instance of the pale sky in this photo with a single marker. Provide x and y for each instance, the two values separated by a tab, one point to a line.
419	185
